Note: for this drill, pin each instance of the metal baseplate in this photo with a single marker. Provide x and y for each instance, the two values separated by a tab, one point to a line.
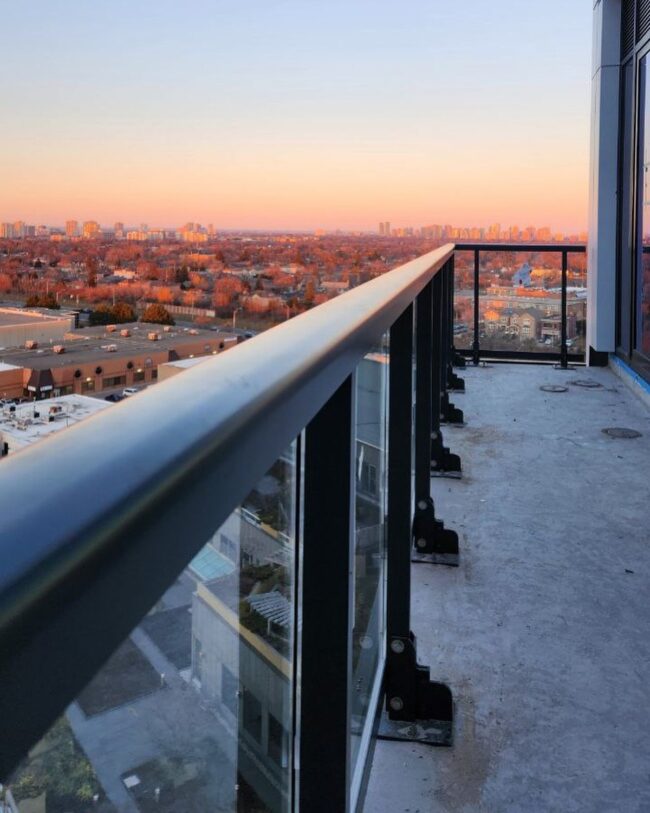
432	542
417	708
455	382
450	413
457	360
443	462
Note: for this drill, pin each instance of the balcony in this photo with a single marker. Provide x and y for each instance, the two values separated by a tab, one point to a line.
211	589
543	630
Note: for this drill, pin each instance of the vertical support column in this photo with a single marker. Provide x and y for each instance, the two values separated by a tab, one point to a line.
327	608
443	463
457	359
400	499
433	542
449	412
424	370
454	382
563	348
410	694
476	344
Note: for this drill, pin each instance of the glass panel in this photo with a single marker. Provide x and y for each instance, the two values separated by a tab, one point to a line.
368	642
643	247
193	712
576	327
463	300
521	301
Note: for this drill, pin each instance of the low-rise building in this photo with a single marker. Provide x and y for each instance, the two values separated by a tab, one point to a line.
23	425
97	359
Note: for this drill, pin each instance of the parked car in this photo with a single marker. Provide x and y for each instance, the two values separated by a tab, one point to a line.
127	392
114	397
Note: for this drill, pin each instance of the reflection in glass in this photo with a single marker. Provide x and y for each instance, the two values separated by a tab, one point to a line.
193	712
371	423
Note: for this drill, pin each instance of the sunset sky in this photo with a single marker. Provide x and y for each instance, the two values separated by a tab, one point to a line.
292	114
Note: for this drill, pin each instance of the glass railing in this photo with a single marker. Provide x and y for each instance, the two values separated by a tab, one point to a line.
207	606
521	301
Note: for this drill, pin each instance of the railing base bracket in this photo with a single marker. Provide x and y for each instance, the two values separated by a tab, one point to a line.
458	361
443	462
455	382
417	708
450	413
430	535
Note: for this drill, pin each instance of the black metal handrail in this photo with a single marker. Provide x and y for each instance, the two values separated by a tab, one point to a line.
94	522
562	248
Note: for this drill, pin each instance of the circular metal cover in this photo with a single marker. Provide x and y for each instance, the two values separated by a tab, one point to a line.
553	388
587	383
621	432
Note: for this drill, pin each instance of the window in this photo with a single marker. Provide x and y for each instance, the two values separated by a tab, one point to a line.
114	381
278	745
252	715
625	256
228	547
88	385
368	479
138	375
229	689
643	235
154	375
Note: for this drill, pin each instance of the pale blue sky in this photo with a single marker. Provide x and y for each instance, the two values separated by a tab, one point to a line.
295	113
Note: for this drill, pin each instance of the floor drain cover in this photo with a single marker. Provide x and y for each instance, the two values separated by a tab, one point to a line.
553	388
621	432
588	383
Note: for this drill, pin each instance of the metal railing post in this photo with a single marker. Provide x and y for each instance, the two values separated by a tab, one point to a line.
442	461
563	347
457	359
448	411
324	716
476	344
454	382
410	694
432	541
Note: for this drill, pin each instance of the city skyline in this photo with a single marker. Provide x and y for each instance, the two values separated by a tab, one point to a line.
289	116
195	231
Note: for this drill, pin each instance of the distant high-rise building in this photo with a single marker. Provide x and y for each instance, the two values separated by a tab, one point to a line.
387	228
381	228
42	230
71	228
19	228
91	229
544	233
6	230
118	228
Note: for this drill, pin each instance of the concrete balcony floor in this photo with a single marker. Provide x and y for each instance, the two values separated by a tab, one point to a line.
543	632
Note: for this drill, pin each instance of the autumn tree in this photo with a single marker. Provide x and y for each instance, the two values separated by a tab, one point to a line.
123	312
91	272
157	314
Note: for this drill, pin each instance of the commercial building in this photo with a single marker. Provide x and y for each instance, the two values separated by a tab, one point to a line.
22	425
93	360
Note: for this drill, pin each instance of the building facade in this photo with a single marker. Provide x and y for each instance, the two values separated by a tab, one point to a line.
619	215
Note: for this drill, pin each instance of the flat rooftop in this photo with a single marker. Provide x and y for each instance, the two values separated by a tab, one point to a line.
89	344
27	316
543	632
30	422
